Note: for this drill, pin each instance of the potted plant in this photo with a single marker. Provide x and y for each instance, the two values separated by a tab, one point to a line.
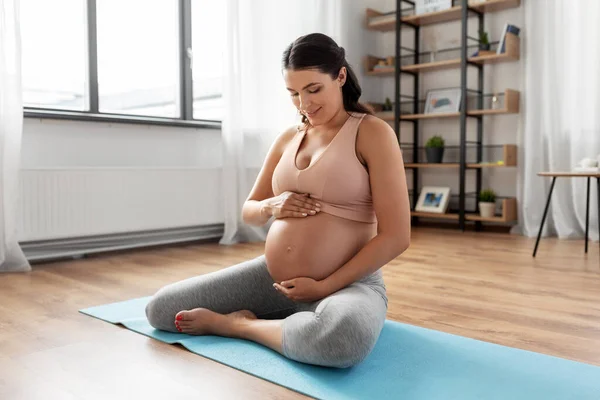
484	41
487	203
434	149
387	106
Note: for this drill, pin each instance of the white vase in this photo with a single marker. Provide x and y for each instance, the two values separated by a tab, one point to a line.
487	210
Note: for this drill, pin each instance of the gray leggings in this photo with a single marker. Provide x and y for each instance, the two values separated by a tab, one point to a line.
337	331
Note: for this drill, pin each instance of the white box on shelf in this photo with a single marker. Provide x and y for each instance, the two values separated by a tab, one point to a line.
429	6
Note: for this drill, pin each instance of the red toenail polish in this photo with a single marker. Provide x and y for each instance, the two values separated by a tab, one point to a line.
179	318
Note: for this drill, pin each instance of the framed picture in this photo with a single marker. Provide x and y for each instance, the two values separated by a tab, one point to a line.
443	101
429	6
433	199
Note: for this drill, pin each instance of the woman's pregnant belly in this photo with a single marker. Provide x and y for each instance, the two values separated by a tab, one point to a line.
313	246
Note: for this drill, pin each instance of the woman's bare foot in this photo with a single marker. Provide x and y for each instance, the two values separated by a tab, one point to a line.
202	321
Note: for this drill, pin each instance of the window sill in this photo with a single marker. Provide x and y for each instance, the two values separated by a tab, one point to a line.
116	118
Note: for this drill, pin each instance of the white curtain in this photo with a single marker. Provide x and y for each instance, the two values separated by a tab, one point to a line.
257	105
562	113
11	126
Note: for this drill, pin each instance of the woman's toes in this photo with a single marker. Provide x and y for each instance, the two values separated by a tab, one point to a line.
182	316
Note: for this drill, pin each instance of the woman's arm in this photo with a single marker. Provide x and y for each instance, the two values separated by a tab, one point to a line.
378	146
255	210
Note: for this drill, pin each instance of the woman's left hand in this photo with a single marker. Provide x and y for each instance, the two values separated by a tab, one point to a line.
302	289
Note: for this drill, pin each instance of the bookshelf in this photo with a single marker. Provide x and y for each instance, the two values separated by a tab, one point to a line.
407	114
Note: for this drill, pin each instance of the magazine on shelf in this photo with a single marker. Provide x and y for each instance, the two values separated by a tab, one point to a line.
508	28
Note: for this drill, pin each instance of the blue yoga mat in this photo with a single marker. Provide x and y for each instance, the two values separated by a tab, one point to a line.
408	362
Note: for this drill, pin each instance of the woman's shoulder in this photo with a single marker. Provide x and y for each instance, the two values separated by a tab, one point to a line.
285	137
373	134
373	123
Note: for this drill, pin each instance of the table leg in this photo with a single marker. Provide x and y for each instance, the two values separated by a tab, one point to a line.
587	214
537	242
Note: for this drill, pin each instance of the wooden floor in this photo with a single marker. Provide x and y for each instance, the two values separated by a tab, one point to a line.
480	285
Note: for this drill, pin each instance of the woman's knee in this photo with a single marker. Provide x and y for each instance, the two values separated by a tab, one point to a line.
352	342
159	313
341	342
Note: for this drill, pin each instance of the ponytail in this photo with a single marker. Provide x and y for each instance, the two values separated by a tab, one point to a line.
351	92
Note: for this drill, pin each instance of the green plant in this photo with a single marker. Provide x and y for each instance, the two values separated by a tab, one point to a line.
435	141
484	38
487	196
388	104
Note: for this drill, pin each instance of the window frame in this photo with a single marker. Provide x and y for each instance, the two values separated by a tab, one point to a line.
186	95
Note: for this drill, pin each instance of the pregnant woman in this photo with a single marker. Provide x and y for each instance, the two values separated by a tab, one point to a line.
336	187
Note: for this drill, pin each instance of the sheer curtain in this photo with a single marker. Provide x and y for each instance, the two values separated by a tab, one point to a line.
11	127
562	113
257	105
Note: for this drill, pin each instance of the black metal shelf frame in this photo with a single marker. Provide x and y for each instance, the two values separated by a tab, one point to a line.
466	13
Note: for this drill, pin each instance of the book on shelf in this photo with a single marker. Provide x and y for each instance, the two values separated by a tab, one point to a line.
508	28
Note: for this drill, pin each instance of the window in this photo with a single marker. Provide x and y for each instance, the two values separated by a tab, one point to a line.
208	43
54	54
138	57
126	58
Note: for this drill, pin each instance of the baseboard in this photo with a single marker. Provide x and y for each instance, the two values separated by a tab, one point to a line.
79	247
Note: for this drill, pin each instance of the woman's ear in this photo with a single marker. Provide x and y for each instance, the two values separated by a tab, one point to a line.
342	76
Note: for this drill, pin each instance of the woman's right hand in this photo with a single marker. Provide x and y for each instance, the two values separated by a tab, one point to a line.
290	204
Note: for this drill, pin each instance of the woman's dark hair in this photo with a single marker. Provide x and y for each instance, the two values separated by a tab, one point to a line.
321	52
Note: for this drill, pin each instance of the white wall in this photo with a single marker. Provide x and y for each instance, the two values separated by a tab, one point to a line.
62	144
50	144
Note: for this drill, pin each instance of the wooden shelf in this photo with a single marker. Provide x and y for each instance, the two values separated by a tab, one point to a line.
432	66
431	165
451	14
509	156
495	5
512	53
385	115
509	159
386	25
511	106
382	72
370	62
410	117
509	213
450	216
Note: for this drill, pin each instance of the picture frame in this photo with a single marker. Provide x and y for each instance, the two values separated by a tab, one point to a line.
433	199
440	101
429	6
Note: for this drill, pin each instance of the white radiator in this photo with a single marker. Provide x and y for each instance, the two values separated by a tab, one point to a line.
85	202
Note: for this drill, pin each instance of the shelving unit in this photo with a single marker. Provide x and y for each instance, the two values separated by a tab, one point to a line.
472	107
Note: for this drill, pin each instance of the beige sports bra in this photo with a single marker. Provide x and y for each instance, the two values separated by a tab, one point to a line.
337	179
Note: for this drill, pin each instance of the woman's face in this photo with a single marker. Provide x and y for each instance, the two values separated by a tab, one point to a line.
315	94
